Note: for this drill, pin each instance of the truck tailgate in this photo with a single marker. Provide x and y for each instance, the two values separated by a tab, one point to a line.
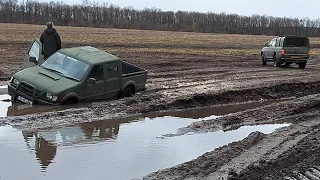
296	50
134	73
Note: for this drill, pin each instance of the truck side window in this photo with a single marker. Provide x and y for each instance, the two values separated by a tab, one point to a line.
112	70
97	72
281	42
277	42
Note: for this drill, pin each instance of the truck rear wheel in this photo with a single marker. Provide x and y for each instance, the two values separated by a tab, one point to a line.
276	62
128	91
302	65
263	59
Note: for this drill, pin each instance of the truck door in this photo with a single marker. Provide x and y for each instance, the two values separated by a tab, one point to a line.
271	48
94	86
34	50
113	79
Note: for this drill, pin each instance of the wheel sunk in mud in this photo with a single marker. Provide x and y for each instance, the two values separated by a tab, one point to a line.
71	100
128	91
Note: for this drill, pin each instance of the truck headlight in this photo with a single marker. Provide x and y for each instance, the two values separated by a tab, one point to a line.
51	97
54	98
16	82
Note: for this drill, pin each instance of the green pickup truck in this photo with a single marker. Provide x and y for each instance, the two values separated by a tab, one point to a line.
286	50
72	75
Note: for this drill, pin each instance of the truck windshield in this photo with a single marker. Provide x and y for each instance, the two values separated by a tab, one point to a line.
298	42
66	66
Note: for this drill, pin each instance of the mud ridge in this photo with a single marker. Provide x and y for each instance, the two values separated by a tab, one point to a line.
292	110
278	91
147	102
304	155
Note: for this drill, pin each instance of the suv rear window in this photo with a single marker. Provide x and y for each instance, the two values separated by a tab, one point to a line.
290	42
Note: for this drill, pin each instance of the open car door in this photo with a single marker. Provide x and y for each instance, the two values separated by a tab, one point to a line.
34	53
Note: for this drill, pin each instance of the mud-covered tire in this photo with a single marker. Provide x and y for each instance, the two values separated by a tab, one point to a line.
127	92
302	65
263	59
71	100
276	62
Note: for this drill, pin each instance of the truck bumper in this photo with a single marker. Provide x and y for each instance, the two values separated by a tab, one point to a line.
289	60
18	95
294	58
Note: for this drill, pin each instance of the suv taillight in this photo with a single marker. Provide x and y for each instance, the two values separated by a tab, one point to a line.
282	52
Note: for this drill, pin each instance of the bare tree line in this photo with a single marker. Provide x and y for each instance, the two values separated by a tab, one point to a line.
104	15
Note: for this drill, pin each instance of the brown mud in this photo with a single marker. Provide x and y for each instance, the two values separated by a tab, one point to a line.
196	72
278	155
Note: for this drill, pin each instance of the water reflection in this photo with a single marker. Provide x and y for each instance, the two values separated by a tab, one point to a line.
44	149
45	142
98	150
101	129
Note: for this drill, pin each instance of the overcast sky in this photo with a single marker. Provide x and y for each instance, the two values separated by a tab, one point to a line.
279	8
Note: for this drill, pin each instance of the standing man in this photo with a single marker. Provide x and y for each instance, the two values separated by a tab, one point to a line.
51	41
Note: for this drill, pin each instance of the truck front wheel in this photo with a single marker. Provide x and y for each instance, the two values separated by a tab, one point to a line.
71	100
263	58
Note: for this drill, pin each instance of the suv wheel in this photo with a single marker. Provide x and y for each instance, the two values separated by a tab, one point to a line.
263	59
276	62
302	65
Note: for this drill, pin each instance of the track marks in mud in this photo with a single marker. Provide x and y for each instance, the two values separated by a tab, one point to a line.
277	91
292	111
208	162
148	102
259	156
303	155
312	173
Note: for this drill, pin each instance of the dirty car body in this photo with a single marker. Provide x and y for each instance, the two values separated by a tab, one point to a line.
74	74
286	50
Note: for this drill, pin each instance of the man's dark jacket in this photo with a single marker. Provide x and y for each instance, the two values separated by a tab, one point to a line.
51	42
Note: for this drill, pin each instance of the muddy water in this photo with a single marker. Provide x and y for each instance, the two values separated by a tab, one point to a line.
8	108
3	89
107	149
4	105
19	109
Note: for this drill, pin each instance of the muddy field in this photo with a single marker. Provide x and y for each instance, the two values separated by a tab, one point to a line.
192	71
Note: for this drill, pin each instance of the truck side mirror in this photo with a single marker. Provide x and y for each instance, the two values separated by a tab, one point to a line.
91	81
266	44
33	59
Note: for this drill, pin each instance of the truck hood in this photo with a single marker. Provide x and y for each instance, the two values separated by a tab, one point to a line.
45	80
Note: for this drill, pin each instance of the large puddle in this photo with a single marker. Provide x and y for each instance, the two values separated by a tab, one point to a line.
107	149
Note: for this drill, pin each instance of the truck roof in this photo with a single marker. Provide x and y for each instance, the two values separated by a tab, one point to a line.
89	54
